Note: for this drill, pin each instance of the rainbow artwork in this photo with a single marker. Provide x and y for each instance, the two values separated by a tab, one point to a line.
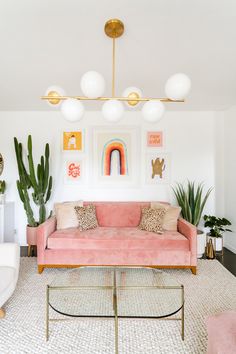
114	148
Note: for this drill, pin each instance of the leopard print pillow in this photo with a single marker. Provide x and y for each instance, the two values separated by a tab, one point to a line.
87	218
152	220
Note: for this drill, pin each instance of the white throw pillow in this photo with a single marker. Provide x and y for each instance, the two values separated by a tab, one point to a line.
66	215
171	216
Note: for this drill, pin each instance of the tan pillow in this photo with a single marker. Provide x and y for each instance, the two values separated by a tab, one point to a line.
171	216
66	215
152	219
87	218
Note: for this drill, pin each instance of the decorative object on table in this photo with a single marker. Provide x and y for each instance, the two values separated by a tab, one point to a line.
93	87
115	156
1	164
210	252
157	168
39	182
2	191
154	139
73	141
217	228
192	201
73	171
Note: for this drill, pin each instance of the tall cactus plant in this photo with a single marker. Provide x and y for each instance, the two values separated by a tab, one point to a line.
39	180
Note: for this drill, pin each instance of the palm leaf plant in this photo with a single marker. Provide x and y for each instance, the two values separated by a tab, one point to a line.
192	200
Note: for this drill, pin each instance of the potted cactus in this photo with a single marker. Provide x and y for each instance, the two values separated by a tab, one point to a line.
2	191
34	181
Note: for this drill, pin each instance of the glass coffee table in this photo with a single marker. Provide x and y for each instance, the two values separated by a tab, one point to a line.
115	293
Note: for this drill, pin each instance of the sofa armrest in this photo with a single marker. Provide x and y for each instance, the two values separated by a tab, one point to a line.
190	232
44	230
10	255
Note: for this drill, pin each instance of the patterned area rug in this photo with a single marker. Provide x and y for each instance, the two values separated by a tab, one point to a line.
213	290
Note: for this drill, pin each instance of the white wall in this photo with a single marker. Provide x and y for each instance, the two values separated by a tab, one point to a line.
189	137
230	175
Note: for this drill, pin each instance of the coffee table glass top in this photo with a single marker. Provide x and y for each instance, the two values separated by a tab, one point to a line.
138	292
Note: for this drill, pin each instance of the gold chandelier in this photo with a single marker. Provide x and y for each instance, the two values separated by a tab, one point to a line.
93	86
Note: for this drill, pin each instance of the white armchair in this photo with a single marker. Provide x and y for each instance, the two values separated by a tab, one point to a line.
9	270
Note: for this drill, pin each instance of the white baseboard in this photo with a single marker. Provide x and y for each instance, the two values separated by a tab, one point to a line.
229	247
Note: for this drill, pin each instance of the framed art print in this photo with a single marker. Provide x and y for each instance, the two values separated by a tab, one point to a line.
157	168
115	156
73	171
73	141
154	139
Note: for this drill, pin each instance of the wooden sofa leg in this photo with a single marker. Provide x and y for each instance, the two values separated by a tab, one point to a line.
40	269
2	313
194	270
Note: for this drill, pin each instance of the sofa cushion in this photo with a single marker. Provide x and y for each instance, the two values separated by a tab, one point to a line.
86	217
152	219
171	216
119	214
66	215
126	238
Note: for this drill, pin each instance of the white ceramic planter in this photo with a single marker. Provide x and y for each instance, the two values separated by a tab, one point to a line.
217	243
201	243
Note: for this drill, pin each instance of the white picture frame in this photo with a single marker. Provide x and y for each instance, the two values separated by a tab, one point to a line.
157	167
115	152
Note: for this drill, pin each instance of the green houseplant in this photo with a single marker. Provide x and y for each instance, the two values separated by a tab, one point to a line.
217	228
35	181
192	201
2	191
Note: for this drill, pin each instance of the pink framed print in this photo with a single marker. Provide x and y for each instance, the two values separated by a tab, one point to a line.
73	171
154	139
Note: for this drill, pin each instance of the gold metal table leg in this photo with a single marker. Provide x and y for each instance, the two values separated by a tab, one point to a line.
116	314
47	313
182	312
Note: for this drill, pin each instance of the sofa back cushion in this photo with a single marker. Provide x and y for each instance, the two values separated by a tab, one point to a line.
118	214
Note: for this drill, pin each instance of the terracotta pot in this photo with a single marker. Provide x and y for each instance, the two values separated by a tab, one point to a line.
31	235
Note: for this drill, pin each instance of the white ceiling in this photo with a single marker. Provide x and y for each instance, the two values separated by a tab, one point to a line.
46	42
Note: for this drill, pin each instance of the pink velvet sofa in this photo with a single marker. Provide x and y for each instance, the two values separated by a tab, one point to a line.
117	241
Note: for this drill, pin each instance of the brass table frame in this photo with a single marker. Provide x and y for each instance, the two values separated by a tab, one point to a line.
114	288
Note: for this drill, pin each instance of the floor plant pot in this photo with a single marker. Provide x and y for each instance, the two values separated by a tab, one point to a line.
201	243
31	237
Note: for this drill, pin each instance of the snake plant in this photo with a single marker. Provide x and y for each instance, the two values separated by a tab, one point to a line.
192	200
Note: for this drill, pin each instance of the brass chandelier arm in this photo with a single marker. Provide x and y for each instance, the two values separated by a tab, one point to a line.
126	99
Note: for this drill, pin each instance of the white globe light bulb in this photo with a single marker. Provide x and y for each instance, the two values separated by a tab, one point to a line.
153	111
54	92
132	93
72	110
92	84
178	86
113	110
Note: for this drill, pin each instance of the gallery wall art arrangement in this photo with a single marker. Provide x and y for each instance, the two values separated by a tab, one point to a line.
116	157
